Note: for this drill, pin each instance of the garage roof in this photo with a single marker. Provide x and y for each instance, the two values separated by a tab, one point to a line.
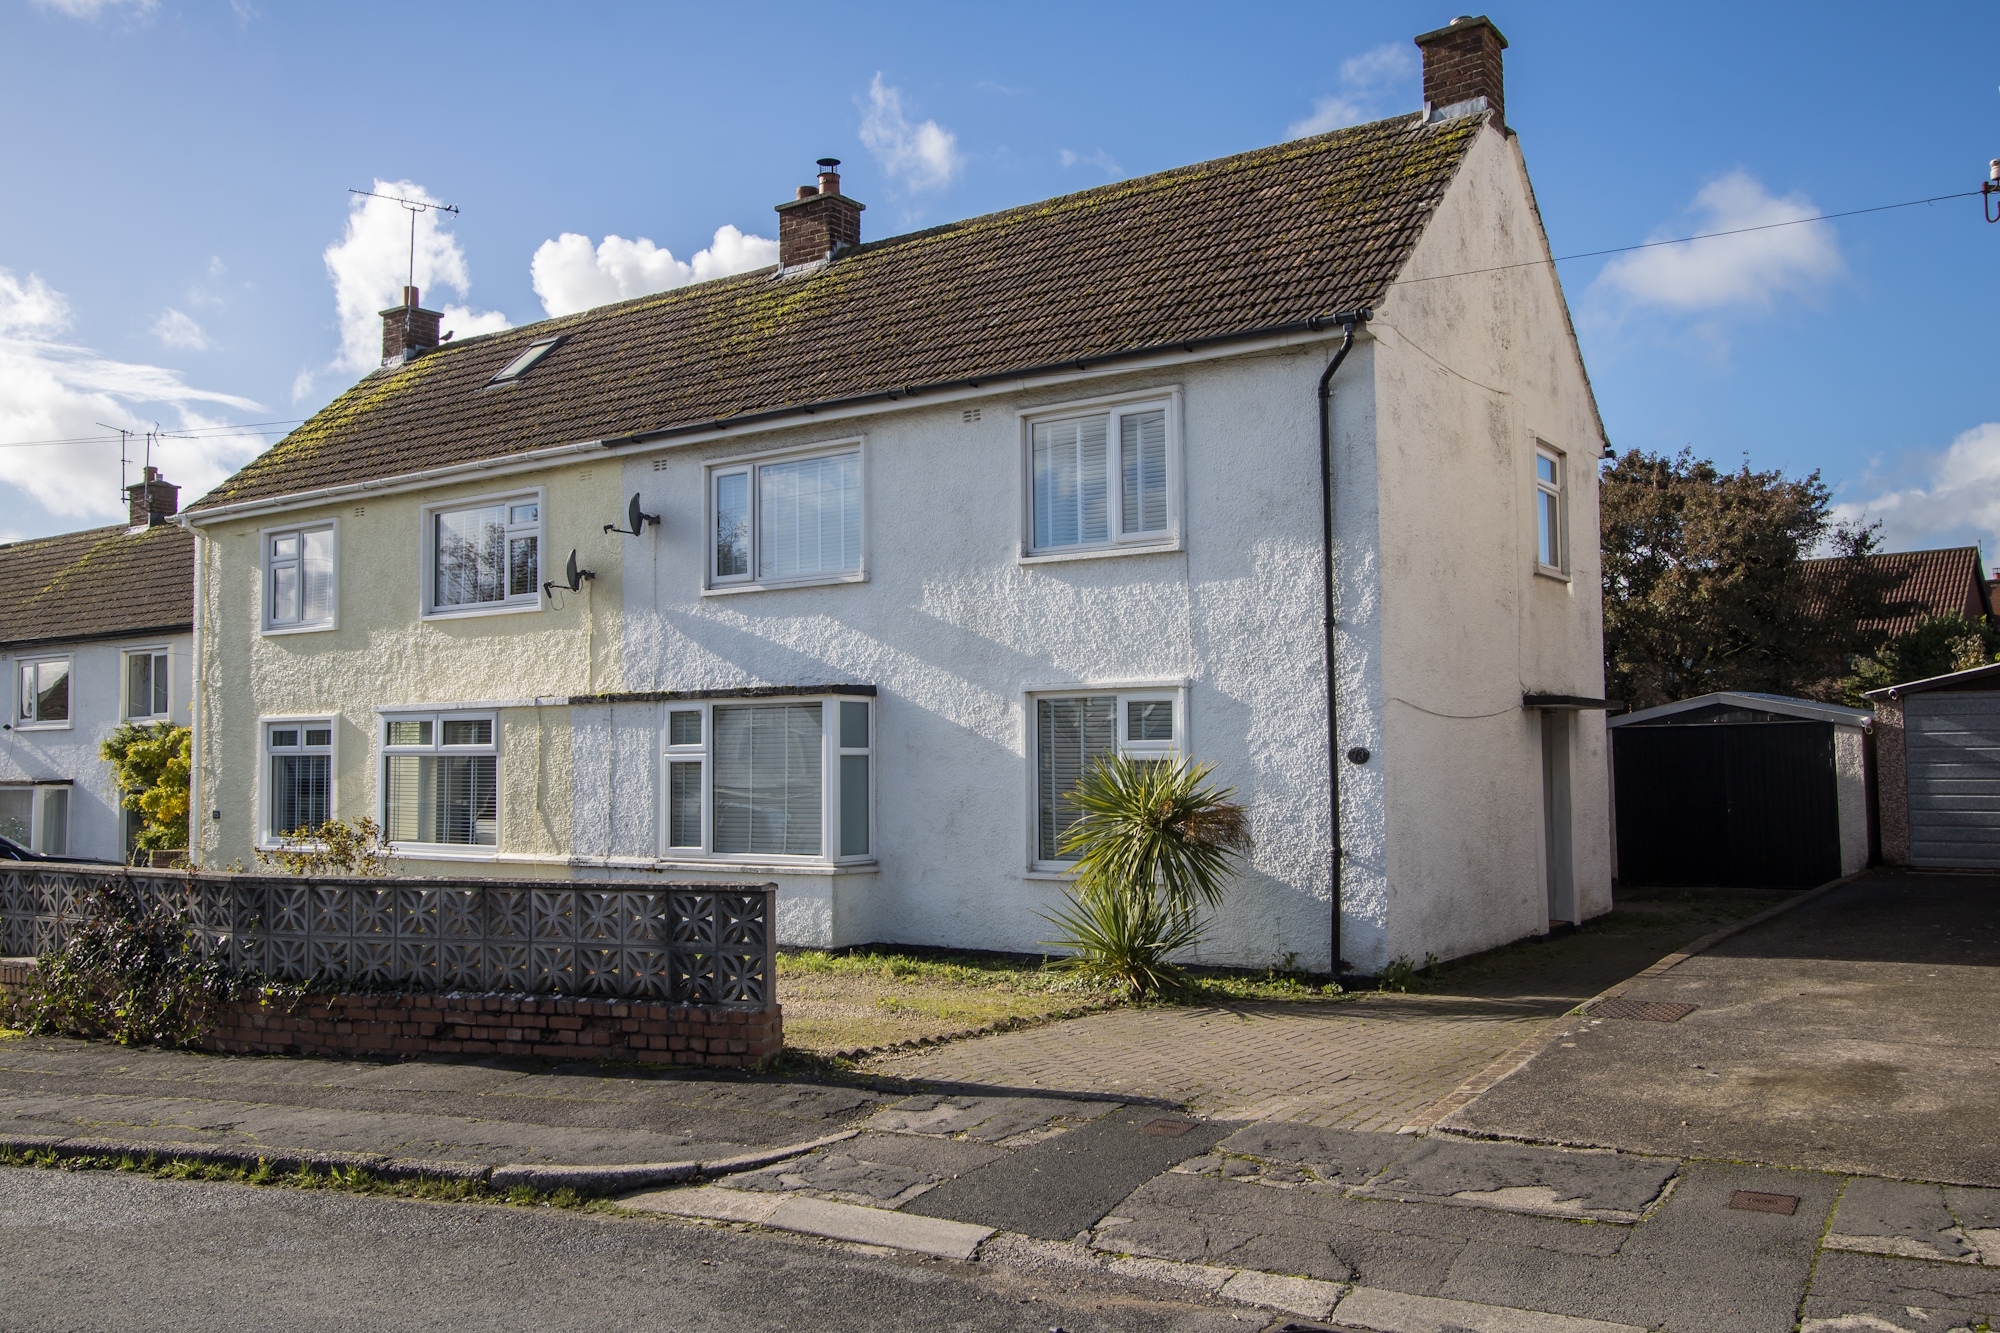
1810	710
1973	677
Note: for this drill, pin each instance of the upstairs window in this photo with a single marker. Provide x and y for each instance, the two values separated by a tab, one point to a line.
298	579
795	520
484	556
1551	516
44	693
440	781
301	769
146	684
1101	478
1074	732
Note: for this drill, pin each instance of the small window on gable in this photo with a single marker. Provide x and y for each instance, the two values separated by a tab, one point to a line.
526	361
1551	511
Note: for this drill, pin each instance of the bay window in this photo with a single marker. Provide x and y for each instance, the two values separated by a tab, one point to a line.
769	778
440	780
36	816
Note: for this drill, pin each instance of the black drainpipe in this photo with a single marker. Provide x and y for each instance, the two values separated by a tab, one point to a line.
1347	321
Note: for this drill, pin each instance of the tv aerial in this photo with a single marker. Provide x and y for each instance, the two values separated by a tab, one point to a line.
635	520
572	579
413	207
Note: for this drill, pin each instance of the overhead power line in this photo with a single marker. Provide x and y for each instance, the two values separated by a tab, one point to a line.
198	433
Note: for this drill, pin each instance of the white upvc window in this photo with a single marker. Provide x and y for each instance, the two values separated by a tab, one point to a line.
1072	729
483	555
43	698
298	766
299	578
36	816
786	519
440	781
1103	476
757	779
1551	511
146	681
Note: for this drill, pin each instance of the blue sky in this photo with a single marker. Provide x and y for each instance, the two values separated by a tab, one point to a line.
177	244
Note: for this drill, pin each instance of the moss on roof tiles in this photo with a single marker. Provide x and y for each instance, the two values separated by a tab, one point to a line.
1240	243
99	583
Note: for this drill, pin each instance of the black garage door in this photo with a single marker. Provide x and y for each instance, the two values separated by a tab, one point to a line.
1743	805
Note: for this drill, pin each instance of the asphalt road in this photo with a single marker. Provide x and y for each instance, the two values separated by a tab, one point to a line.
97	1250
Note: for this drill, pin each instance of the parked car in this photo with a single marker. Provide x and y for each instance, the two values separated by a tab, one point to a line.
14	851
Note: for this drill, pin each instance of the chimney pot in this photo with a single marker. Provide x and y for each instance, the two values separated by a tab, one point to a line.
153	501
808	191
1462	63
819	222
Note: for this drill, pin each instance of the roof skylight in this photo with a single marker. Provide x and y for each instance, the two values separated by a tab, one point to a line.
525	362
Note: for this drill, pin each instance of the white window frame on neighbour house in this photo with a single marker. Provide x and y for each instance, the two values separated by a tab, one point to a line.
1125	452
758	525
287	588
34	680
844	804
1126	739
48	815
156	693
1551	510
311	736
423	749
514	528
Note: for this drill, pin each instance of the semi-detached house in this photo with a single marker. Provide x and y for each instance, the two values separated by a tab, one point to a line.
924	525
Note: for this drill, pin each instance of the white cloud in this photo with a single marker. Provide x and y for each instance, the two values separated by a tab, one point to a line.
216	268
174	329
1369	82
569	275
53	390
1749	269
371	262
924	156
90	9
1100	159
1956	503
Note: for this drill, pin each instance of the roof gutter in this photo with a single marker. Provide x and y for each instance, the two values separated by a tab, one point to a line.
850	404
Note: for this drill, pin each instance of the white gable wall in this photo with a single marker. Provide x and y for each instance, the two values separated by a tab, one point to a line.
1470	371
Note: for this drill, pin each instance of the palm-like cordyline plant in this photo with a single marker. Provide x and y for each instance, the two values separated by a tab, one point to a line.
1154	841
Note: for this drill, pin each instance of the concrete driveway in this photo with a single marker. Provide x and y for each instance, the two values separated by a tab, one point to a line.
1858	1033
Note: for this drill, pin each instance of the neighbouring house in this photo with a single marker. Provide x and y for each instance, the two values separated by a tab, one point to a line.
837	574
95	630
1740	790
1928	584
1938	770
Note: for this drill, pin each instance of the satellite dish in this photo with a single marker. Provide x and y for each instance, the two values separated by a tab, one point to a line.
572	578
635	519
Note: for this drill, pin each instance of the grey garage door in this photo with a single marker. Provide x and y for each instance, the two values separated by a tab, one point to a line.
1953	755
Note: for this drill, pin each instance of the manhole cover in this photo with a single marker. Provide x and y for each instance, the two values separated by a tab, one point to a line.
1167	1129
1651	1011
1750	1201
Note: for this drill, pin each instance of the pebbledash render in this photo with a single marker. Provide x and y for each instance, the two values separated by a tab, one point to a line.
925	524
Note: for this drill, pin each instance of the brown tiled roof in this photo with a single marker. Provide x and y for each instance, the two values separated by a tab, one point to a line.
1242	243
1931	584
99	584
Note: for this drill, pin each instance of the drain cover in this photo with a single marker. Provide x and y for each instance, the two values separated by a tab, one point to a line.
1651	1011
1750	1201
1167	1129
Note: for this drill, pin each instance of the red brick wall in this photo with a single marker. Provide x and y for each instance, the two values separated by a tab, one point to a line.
809	229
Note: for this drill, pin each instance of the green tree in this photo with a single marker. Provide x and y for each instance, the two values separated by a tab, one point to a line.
1937	647
150	764
1154	842
1705	586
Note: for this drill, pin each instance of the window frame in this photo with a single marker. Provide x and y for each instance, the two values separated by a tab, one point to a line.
437	851
266	839
21	720
1558	492
163	659
270	626
38	812
1126	693
831	752
1120	542
714	584
509	605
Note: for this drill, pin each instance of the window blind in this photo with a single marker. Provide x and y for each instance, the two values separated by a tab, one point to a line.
1071	734
809	514
684	804
767	780
1071	484
318	575
301	791
447	799
1143	451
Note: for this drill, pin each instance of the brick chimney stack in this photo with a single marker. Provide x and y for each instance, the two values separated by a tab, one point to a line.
819	222
408	330
1462	65
153	501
